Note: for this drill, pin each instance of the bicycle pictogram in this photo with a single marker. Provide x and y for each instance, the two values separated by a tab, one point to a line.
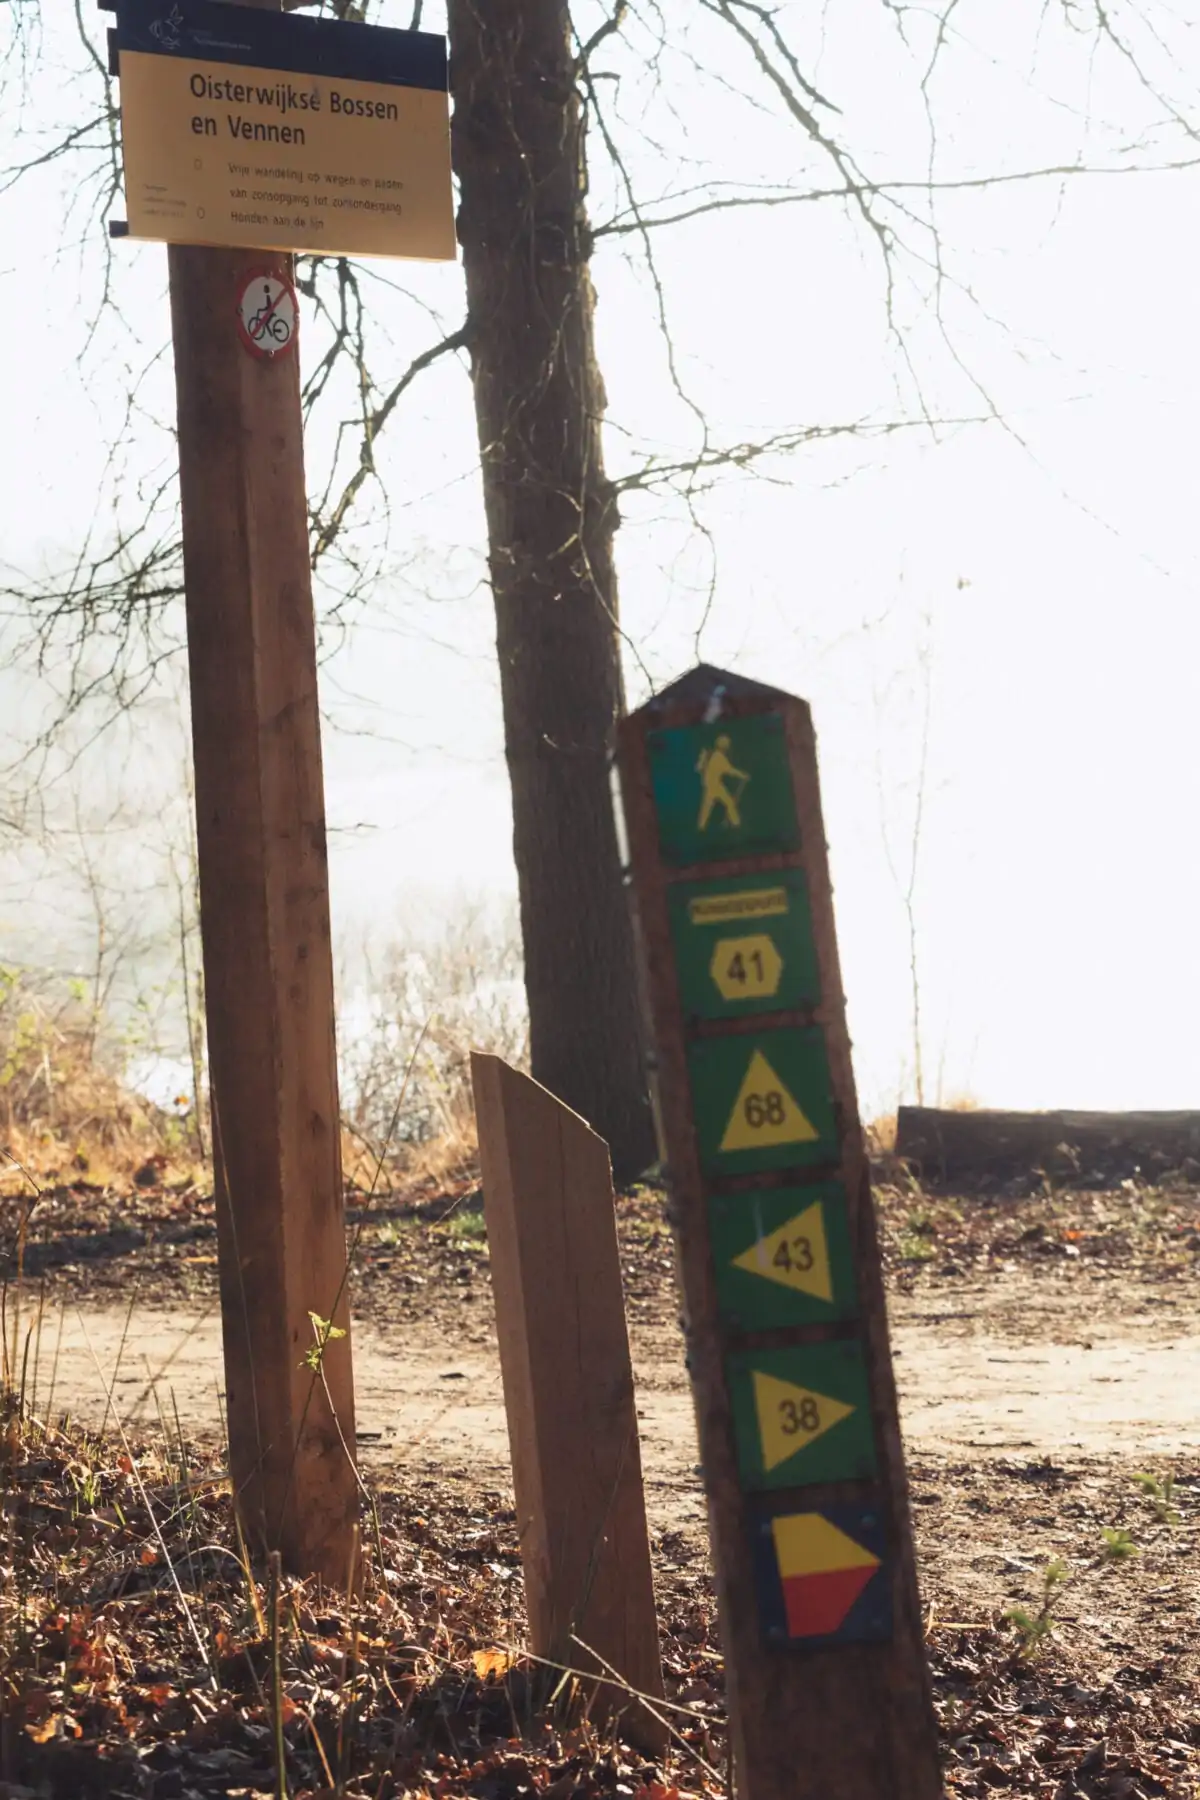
266	322
267	314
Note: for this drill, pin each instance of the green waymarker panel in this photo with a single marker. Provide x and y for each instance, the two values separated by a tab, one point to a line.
782	1256
801	1415
723	790
744	945
762	1101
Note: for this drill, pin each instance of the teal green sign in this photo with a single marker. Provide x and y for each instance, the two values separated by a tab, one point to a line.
723	790
763	1100
782	1256
801	1416
744	945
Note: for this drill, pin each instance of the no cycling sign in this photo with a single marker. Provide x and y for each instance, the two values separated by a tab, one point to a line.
267	314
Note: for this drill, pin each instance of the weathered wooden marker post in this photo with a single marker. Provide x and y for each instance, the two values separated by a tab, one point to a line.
568	1393
209	93
785	1317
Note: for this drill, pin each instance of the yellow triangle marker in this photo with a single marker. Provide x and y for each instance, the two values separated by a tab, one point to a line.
796	1255
764	1114
791	1417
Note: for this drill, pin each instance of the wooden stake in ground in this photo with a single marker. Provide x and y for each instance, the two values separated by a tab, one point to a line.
568	1389
785	1316
264	913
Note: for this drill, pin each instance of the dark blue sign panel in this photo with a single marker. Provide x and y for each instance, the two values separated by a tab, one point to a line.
208	31
822	1577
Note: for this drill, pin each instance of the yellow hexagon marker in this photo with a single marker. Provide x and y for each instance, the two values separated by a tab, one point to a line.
791	1417
765	1114
746	968
796	1255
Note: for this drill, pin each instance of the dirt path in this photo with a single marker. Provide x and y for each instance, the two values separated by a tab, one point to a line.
1037	1368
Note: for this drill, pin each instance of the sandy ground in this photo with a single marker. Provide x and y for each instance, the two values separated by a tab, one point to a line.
1044	1368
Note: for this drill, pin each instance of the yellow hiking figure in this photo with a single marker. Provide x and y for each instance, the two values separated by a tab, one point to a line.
716	771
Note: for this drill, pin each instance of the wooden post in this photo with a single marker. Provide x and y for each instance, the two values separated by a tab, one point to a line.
568	1389
264	914
785	1314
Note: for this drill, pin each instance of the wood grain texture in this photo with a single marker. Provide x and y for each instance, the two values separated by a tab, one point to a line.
264	894
517	138
853	1720
568	1387
945	1144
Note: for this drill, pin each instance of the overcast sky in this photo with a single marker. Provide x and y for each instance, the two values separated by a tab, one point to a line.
1031	581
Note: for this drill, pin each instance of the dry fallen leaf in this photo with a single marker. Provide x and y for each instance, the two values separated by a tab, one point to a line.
491	1662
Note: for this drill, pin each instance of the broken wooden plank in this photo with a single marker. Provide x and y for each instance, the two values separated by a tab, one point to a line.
568	1390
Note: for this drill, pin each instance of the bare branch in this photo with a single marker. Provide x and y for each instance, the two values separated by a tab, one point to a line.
602	33
622	225
372	424
705	469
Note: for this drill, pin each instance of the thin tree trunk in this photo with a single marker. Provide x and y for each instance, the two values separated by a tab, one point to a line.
551	515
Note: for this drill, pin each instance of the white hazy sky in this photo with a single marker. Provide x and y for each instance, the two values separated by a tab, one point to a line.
1033	580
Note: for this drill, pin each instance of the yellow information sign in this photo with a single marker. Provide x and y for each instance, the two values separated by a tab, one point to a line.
796	1255
265	129
765	1115
790	1416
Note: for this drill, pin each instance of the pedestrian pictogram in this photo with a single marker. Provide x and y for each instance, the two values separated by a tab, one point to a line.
723	790
267	314
765	1115
782	1256
722	786
824	1575
802	1415
746	968
796	1256
763	1102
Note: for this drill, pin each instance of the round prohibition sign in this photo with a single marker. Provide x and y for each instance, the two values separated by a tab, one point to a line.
268	314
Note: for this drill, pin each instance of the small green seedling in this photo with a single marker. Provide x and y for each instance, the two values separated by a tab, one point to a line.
1034	1628
1160	1492
914	1246
468	1225
326	1331
1118	1544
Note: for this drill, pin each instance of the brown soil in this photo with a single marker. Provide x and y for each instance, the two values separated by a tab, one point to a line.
1048	1352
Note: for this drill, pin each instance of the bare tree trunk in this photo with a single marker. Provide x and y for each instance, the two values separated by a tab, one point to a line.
551	514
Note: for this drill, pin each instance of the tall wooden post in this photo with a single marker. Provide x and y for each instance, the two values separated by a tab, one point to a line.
785	1316
568	1392
264	902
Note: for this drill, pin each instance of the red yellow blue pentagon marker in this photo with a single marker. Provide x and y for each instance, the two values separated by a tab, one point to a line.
822	1576
801	1415
782	1256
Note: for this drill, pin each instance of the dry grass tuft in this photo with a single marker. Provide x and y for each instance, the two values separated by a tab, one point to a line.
406	1069
65	1110
881	1135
